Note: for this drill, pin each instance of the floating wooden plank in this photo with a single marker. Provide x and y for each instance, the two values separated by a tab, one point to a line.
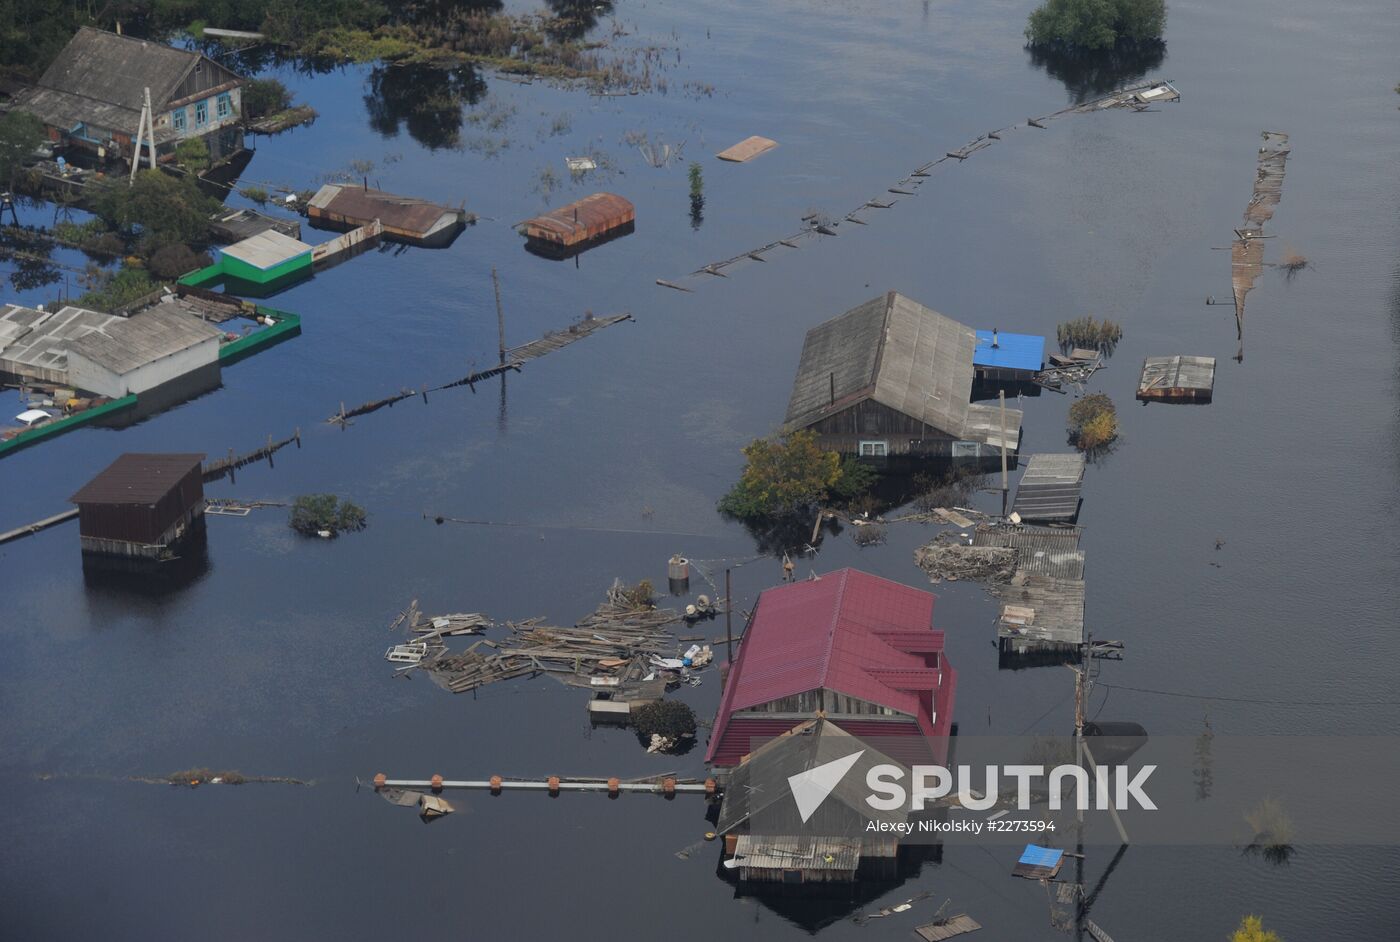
747	149
947	928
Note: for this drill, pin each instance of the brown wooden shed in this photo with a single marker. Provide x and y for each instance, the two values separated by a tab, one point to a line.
141	504
581	224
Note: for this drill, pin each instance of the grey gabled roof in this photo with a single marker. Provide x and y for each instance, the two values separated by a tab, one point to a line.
759	786
903	355
116	69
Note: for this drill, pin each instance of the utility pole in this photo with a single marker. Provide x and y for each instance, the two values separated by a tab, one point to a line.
500	315
1001	397
1081	747
144	128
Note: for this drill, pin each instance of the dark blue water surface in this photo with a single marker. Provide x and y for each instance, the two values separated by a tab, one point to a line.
270	661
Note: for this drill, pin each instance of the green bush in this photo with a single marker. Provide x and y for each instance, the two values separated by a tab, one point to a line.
118	289
160	207
1090	25
265	96
171	261
312	513
192	154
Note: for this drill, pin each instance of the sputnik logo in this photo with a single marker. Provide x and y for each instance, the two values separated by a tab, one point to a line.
810	788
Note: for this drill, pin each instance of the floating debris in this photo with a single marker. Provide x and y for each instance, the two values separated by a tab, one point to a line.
747	149
1177	379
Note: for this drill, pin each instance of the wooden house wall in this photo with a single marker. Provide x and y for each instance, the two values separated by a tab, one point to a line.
203	79
869	420
142	523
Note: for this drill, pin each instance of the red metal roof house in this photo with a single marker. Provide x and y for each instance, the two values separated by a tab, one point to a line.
857	649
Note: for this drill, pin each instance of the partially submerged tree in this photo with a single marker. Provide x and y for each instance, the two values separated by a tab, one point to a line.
1252	930
314	514
1096	25
161	208
20	135
1093	422
265	96
792	475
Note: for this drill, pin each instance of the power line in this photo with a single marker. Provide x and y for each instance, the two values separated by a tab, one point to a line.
1264	700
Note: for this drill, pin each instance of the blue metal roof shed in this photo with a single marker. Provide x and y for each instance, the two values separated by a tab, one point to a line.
1021	352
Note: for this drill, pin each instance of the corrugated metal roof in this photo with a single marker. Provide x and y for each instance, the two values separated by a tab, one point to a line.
1050	486
41	338
827	634
361	205
136	478
1012	352
588	218
1040	550
131	342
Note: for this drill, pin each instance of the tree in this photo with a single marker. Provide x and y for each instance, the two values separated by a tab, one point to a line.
1252	930
164	209
265	96
791	475
192	154
1093	422
1088	25
314	513
20	134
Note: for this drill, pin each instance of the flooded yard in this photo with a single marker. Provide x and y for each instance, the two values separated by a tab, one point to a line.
607	457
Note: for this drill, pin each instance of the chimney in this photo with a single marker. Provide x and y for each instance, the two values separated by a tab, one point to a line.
996	342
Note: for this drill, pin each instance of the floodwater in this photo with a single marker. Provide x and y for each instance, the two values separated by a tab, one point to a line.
612	453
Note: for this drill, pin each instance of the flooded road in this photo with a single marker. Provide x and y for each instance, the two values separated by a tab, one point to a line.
613	452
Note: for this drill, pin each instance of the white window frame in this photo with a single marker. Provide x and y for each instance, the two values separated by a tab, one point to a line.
874	449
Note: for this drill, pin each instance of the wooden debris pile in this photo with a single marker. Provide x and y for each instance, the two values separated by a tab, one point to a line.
949	558
621	630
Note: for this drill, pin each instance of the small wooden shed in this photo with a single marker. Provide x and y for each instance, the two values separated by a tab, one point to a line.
141	504
580	225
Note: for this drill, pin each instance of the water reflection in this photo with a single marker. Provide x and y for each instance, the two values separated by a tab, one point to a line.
1091	74
425	100
576	17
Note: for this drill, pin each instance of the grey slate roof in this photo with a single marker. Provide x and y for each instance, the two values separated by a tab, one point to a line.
902	355
65	110
133	342
758	786
1041	551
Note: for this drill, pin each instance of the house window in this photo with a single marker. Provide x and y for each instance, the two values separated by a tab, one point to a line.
177	120
874	449
223	106
201	113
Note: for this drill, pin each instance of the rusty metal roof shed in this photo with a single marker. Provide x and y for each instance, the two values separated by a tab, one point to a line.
588	218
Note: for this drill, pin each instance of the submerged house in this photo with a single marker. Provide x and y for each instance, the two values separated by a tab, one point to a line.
92	96
844	664
893	378
142	506
766	838
854	648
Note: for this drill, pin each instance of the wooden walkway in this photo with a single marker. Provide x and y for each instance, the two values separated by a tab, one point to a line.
558	339
1247	250
38	525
